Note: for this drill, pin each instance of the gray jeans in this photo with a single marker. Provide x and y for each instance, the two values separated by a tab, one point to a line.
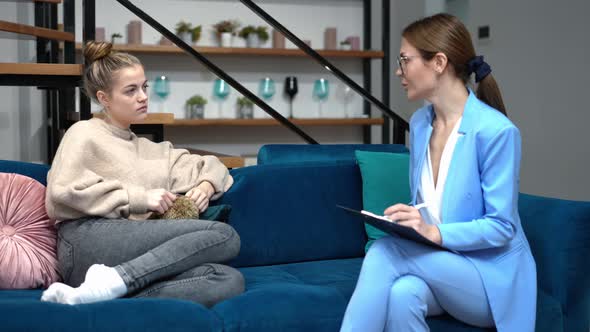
155	258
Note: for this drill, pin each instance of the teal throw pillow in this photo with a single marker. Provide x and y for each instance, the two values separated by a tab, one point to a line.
216	212
386	181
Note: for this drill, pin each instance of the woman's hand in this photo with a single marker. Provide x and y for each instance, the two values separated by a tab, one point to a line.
160	200
201	195
409	216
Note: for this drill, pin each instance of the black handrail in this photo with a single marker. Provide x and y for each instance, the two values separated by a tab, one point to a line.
325	63
216	70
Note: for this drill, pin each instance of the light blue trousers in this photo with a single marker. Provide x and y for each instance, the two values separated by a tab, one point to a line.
401	282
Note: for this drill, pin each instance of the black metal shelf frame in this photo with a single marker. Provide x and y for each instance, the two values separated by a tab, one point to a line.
399	123
60	89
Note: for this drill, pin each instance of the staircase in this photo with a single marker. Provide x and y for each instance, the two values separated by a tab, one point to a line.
57	74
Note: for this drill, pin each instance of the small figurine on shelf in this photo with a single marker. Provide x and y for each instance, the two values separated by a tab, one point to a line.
99	34
254	36
184	32
225	31
278	40
195	107
114	37
245	108
134	32
330	39
355	42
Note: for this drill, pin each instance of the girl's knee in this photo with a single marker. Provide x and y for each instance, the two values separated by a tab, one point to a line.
232	239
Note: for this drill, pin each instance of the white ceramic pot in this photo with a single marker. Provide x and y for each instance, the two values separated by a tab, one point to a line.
226	39
195	111
186	37
253	41
245	112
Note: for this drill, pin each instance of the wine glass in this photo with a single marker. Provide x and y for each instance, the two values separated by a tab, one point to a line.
347	96
321	89
291	90
221	91
162	89
267	88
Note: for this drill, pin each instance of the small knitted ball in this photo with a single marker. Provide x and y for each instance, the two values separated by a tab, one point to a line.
182	208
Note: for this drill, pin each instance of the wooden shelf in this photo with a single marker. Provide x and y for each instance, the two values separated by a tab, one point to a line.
167	119
152	118
160	49
273	122
40	69
35	31
228	160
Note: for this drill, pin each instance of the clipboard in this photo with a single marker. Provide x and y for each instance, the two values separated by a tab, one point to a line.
392	228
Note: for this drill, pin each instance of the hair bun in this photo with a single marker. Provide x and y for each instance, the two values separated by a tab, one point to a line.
96	50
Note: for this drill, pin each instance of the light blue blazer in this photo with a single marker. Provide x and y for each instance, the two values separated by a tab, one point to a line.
480	208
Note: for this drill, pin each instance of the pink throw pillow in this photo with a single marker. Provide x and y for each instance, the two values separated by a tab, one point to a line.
27	235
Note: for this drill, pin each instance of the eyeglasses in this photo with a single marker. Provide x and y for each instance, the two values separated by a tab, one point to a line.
402	62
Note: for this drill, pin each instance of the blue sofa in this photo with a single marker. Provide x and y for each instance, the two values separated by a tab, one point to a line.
301	256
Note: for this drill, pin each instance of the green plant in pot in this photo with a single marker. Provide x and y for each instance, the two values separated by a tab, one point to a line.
245	108
225	30
195	107
184	31
254	36
196	32
114	37
345	45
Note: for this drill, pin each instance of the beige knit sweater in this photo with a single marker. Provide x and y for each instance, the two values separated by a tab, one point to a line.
102	170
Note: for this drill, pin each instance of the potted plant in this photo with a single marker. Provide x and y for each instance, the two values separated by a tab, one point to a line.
225	31
255	36
245	108
195	107
184	31
196	32
345	45
114	37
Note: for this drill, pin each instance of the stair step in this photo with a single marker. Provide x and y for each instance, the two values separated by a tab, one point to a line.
36	31
58	69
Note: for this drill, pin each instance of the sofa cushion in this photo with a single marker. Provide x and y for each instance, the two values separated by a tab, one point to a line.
309	297
28	313
385	182
287	213
559	234
296	153
27	235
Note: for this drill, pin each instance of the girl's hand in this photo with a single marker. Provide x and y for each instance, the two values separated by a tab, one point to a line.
160	200
409	216
201	195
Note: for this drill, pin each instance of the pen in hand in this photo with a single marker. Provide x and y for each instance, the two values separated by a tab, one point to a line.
419	206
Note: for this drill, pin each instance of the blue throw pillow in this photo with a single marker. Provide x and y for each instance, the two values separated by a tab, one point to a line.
386	181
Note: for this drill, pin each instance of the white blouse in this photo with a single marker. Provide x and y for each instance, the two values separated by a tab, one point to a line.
427	191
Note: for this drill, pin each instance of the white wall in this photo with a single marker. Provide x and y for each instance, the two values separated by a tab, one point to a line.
307	19
538	52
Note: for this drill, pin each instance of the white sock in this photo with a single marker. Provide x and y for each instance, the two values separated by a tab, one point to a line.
55	290
102	283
